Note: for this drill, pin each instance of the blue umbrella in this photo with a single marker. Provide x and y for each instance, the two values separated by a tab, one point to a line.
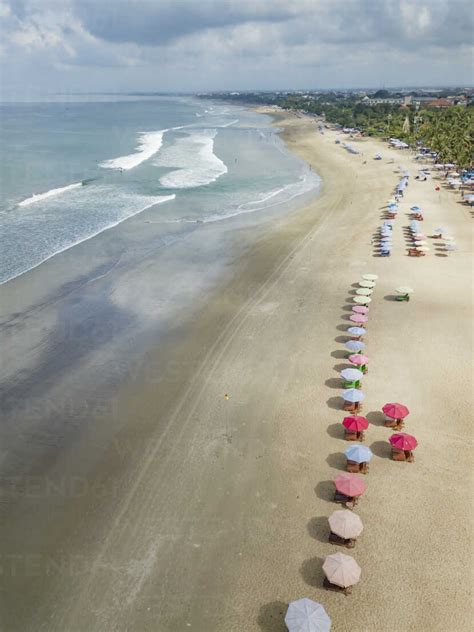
306	615
354	345
356	331
358	453
415	208
352	395
351	375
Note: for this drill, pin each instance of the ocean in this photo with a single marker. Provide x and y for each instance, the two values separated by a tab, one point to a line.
71	170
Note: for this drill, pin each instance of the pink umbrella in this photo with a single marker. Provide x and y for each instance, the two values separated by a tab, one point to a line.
358	318
403	441
355	423
350	485
395	411
360	309
359	359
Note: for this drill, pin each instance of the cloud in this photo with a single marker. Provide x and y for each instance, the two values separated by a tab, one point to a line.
226	44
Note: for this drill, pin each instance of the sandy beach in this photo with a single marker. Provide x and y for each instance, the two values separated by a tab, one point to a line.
206	506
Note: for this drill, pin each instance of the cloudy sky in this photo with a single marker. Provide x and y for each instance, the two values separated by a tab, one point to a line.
53	46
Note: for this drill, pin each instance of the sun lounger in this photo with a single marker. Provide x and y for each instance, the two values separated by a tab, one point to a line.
349	543
349	501
413	252
352	407
398	455
328	586
352	467
353	436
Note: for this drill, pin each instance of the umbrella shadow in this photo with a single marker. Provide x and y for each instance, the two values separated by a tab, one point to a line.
376	418
342	327
339	354
318	528
340	367
347	308
334	382
342	338
390	297
271	617
337	460
336	431
439	254
336	403
312	571
325	490
381	449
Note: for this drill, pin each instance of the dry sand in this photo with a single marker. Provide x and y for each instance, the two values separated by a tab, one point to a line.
219	516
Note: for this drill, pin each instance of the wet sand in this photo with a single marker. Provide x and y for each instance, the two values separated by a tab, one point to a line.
204	512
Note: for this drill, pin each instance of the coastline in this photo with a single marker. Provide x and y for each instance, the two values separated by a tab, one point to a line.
214	510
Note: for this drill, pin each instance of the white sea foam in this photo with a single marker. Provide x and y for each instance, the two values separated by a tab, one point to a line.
305	184
229	123
196	162
58	237
149	143
37	197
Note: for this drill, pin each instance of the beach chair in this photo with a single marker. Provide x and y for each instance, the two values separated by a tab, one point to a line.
355	384
396	424
413	252
353	436
349	543
403	297
398	455
385	253
352	407
328	586
352	467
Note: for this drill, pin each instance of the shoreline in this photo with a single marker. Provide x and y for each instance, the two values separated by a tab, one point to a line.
215	510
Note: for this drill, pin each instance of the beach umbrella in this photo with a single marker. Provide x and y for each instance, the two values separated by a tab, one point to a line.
352	395
350	484
389	222
341	570
363	300
440	230
346	524
355	423
422	248
356	331
354	345
358	453
395	411
418	236
403	441
370	277
351	375
415	208
359	359
358	318
450	246
360	309
369	284
448	238
420	242
364	291
403	289
306	615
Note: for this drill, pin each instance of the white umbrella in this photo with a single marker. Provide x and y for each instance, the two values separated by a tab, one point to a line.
369	284
346	524
354	345
341	570
362	300
364	291
370	277
352	395
440	231
451	246
422	248
404	290
306	615
421	243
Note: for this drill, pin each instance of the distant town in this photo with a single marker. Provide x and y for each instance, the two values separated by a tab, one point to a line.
442	119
